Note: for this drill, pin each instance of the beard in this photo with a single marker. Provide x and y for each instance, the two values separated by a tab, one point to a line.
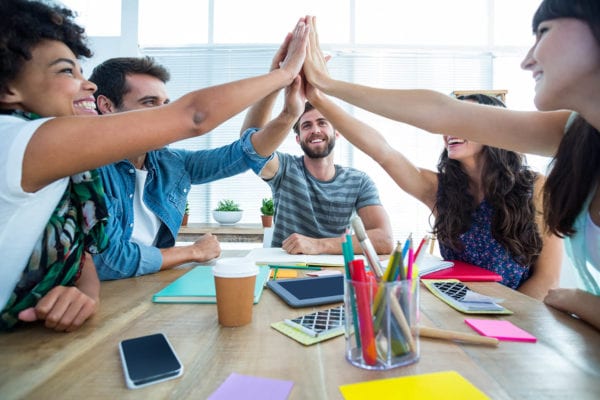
310	153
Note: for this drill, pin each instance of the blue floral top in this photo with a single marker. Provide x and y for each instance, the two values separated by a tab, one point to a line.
483	250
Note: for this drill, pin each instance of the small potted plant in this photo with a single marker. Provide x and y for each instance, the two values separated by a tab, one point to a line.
186	214
267	210
228	212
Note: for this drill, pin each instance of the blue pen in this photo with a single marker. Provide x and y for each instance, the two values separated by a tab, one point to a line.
406	246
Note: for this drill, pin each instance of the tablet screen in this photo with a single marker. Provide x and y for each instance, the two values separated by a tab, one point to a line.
305	292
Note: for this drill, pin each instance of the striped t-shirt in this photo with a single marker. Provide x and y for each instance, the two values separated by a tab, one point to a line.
314	208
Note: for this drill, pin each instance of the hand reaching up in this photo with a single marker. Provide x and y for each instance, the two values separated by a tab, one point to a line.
294	48
315	64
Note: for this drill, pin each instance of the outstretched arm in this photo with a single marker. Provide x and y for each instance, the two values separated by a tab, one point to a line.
527	132
259	113
67	145
269	138
418	182
274	132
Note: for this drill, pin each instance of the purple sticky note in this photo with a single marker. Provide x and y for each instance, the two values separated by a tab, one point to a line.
238	386
501	330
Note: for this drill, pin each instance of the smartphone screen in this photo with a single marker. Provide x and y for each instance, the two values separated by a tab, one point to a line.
148	359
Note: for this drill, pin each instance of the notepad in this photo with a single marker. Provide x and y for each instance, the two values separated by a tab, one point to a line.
278	256
437	385
501	330
198	286
428	263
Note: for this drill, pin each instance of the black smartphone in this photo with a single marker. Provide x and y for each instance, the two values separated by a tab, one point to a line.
149	359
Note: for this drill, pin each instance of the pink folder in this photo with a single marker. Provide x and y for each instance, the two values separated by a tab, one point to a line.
501	330
464	272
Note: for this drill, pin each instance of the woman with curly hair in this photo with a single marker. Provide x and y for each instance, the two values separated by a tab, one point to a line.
486	202
52	210
565	63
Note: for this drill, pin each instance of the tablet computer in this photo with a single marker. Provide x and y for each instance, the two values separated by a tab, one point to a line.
304	292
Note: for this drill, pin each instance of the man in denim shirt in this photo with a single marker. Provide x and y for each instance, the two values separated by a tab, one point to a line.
143	223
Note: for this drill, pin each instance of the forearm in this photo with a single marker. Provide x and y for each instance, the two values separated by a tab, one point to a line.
175	256
361	135
212	106
88	281
268	139
528	132
204	249
537	287
578	302
259	114
330	245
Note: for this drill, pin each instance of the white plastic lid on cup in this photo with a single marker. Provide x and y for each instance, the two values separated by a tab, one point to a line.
235	267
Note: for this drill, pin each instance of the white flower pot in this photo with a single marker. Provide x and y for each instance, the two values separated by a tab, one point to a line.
227	217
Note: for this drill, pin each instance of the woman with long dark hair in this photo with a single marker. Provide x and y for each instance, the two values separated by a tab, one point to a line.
565	62
486	202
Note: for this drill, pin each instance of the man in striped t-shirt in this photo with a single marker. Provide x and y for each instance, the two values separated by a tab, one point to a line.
315	198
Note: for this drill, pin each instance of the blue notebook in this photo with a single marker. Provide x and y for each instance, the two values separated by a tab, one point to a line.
198	286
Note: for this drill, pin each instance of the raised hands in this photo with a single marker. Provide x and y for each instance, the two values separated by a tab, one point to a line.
294	49
315	64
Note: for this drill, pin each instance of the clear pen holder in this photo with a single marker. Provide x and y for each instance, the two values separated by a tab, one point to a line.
381	323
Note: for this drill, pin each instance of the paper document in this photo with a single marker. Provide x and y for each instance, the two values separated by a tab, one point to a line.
428	263
278	256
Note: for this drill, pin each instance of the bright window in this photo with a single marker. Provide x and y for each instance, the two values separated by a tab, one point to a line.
100	18
436	44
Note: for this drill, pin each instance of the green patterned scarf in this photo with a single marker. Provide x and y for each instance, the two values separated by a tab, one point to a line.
76	225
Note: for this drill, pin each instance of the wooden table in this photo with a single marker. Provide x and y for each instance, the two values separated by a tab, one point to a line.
225	233
37	363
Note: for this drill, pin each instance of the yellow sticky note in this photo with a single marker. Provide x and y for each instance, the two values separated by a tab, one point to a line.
284	273
437	385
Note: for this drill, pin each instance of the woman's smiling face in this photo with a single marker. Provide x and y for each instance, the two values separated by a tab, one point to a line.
565	62
51	83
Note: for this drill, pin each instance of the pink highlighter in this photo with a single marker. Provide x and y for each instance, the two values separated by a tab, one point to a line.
363	305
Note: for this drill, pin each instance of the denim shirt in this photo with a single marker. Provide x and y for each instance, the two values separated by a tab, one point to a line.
171	172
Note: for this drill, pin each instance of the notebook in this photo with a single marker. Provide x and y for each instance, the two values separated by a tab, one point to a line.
198	286
464	272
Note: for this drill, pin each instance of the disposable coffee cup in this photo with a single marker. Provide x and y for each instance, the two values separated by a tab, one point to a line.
235	279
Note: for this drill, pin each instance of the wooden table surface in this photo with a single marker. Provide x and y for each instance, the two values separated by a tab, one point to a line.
37	363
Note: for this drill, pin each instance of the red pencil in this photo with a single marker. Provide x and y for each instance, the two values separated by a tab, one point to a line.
420	246
363	304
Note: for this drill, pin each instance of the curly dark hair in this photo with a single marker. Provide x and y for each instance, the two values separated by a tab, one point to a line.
24	24
508	187
110	76
576	166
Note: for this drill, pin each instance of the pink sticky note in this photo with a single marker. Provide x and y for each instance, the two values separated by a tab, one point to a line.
501	330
